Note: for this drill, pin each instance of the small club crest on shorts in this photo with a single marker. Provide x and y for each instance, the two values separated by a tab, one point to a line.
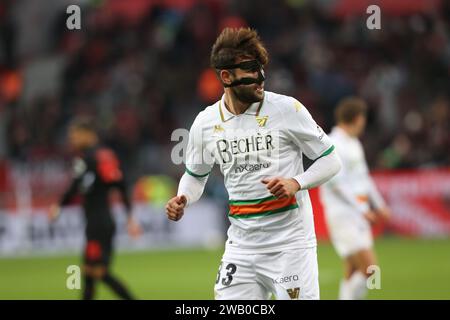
293	293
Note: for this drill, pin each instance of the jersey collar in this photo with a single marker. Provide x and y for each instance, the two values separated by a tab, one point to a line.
226	115
341	132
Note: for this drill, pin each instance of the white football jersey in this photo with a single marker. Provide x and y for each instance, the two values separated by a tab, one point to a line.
351	191
266	141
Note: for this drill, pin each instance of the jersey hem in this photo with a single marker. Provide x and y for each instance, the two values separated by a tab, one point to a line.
233	250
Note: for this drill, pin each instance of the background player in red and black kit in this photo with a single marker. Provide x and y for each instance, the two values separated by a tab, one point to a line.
95	173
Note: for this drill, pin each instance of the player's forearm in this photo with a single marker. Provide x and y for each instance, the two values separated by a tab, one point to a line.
122	187
70	193
319	172
65	199
375	197
191	187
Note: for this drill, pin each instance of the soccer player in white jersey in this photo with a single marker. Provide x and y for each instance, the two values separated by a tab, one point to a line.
258	139
352	201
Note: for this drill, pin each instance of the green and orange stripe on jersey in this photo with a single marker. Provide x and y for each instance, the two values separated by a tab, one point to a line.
261	207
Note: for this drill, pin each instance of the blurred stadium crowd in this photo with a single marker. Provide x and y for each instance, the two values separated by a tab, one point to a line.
142	69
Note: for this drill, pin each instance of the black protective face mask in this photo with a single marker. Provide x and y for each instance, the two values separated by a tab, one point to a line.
248	66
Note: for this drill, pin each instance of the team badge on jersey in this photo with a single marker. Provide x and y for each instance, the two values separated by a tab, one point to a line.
218	128
262	120
297	106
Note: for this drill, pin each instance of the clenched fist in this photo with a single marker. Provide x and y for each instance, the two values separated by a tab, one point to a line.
54	212
133	227
175	207
371	216
281	187
384	213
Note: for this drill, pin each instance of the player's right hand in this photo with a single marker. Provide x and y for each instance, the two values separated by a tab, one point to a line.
384	214
175	207
371	216
133	227
54	212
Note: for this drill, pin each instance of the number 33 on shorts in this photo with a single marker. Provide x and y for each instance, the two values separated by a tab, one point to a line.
228	278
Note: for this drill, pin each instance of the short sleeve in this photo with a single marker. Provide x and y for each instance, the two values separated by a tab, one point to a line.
198	160
306	133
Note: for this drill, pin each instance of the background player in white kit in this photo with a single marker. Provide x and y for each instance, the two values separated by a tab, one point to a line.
258	138
352	201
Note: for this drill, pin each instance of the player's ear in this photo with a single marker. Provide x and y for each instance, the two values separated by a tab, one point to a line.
225	76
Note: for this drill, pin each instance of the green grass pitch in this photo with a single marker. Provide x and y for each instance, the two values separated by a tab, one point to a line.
410	269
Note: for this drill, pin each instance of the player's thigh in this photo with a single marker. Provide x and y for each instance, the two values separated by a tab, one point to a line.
363	259
349	268
350	236
236	280
98	250
292	274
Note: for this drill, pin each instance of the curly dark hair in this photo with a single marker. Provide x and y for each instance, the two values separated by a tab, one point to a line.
233	44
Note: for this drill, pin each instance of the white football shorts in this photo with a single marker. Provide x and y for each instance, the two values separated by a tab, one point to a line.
288	275
349	234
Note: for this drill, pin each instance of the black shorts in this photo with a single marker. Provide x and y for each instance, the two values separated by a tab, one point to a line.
98	249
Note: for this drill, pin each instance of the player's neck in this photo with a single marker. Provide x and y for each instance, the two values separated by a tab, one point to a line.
90	144
234	105
349	130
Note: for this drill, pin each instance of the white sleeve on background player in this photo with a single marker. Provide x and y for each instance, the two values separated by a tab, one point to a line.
375	197
322	170
339	185
191	187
